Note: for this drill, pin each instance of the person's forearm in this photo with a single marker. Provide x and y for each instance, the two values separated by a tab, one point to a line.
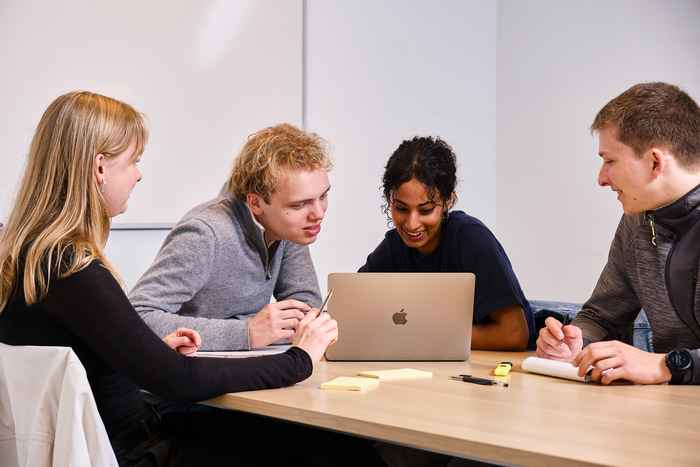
508	331
122	340
591	328
491	336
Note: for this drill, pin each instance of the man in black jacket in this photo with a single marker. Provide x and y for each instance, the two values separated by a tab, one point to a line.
649	143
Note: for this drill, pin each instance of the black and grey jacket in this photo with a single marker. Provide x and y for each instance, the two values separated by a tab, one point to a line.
652	264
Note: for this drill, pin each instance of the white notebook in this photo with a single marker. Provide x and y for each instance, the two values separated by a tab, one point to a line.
269	350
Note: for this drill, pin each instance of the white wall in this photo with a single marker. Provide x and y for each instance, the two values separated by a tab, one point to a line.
206	73
377	73
512	85
133	251
558	64
381	72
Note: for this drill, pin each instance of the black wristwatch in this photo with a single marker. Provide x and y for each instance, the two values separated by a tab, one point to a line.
680	364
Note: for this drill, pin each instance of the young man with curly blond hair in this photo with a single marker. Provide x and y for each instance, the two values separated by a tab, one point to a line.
221	264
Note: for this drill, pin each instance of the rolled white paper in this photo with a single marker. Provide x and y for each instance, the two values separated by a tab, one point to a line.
554	368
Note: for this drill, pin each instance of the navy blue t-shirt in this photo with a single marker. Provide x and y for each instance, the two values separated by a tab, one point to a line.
466	245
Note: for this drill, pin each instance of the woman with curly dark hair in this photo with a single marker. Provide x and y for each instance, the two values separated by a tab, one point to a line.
419	191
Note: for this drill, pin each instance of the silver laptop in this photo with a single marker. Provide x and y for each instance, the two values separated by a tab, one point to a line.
402	316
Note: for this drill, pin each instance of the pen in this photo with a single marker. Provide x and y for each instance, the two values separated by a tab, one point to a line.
587	378
323	305
477	380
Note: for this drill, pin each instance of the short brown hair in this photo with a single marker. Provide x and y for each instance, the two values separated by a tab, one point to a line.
649	114
283	146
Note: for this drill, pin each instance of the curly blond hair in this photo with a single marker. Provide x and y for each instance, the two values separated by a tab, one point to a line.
257	169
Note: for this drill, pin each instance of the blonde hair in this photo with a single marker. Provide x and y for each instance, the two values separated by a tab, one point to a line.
257	169
59	222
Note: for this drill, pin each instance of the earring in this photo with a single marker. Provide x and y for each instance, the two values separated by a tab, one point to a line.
102	185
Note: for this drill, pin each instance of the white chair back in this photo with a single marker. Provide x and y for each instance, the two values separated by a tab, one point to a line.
48	415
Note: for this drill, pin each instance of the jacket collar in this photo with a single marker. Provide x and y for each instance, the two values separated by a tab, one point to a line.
251	230
680	215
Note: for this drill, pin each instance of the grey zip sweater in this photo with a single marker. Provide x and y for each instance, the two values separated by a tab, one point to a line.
214	271
653	264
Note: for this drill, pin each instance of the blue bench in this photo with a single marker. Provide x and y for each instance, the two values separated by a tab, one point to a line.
640	333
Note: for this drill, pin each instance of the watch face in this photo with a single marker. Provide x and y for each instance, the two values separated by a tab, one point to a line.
679	359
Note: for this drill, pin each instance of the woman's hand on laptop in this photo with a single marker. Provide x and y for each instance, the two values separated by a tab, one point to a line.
315	333
275	322
185	341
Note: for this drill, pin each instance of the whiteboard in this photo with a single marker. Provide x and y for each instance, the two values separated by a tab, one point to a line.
206	73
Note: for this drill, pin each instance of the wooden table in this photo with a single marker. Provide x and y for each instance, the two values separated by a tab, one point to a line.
536	421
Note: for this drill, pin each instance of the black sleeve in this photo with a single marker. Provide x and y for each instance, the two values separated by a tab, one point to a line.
695	375
380	259
496	284
92	305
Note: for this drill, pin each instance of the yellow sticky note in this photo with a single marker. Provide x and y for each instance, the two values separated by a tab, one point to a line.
350	383
396	374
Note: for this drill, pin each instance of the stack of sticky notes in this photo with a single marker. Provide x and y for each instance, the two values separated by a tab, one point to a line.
366	380
350	383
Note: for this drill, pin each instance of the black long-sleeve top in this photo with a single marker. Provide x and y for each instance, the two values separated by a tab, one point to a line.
89	312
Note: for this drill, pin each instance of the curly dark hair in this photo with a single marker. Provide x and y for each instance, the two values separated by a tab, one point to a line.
430	160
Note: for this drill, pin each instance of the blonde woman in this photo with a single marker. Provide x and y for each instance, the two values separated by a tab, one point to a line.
57	288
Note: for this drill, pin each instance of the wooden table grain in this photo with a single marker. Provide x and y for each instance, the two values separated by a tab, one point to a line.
536	421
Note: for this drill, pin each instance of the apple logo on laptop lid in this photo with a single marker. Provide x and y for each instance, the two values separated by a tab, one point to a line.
400	317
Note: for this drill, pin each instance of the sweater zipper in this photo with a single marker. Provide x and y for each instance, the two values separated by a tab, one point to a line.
650	220
268	268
